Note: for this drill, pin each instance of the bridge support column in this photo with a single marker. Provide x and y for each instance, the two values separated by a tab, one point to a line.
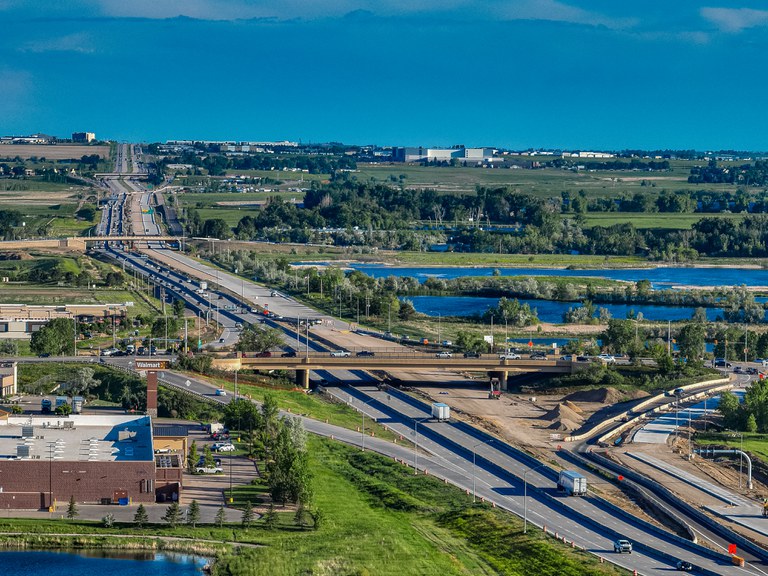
502	376
152	393
302	379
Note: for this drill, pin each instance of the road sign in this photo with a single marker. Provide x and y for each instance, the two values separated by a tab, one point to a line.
731	548
530	343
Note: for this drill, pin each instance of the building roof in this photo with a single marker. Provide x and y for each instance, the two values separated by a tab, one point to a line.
166	430
77	438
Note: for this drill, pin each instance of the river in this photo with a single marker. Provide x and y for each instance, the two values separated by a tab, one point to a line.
114	563
550	310
663	277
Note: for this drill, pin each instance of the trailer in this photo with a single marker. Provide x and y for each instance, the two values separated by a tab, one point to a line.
77	404
573	483
441	411
45	406
203	285
60	401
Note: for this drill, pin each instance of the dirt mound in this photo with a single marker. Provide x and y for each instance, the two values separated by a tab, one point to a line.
563	425
562	412
605	395
637	394
573	407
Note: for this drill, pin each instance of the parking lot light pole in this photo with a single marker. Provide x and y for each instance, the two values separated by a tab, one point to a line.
525	496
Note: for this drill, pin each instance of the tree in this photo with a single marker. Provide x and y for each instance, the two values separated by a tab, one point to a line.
108	521
172	515
259	340
318	517
247	518
730	408
82	381
192	457
471	342
690	341
302	516
220	517
193	513
208	460
56	338
751	424
72	508
141	518
178	308
63	410
619	336
270	518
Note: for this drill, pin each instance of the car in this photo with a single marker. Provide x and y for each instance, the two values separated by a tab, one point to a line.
607	358
764	363
265	354
538	356
721	363
447	343
621	546
223	447
738	370
209	470
752	370
684	566
443	354
509	356
567	357
289	354
364	353
340	354
221	340
471	354
221	392
582	358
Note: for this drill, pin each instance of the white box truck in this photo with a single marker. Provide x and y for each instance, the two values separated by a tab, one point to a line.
441	411
77	404
203	285
572	483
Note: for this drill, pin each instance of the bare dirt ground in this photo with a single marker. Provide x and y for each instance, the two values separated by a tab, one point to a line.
52	151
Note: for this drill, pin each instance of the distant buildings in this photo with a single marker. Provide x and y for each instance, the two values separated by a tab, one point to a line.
20	321
421	154
8	379
83	137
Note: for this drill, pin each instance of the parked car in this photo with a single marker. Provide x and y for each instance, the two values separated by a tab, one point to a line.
223	447
364	353
443	354
289	354
340	354
471	354
538	356
621	546
213	470
510	356
684	566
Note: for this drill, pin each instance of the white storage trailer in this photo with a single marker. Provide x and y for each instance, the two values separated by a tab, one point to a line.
441	411
573	483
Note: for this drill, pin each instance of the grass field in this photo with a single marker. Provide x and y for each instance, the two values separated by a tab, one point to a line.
52	152
544	182
658	221
230	215
752	443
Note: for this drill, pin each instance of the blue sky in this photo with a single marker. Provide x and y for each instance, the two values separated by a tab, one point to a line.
511	73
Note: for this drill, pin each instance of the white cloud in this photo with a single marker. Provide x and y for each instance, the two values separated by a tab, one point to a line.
17	86
70	43
559	12
735	19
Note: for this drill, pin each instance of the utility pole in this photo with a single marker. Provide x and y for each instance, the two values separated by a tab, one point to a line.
669	337
186	337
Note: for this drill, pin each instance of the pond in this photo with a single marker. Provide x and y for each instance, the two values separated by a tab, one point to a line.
114	563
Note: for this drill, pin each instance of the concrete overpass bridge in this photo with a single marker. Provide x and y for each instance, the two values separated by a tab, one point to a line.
80	243
118	175
495	367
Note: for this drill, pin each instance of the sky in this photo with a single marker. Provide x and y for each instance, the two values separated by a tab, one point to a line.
518	74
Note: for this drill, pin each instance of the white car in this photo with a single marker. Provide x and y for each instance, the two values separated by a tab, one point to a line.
214	470
444	355
340	354
509	356
607	358
223	447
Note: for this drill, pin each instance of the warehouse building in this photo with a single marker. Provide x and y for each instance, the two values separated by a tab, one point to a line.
108	459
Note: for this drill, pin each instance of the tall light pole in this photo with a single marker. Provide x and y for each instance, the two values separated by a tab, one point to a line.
416	422
525	496
474	468
389	317
362	430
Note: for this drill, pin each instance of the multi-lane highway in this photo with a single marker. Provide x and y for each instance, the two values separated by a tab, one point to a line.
463	455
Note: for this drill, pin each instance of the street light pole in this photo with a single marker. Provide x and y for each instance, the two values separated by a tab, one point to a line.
416	422
525	496
362	430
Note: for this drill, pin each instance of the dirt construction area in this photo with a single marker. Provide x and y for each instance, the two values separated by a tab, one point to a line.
51	151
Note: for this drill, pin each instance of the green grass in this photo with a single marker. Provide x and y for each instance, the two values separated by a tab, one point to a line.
753	443
662	221
381	519
230	215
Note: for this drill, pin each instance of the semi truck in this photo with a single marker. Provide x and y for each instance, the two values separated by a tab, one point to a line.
441	411
45	406
203	285
77	404
572	483
60	401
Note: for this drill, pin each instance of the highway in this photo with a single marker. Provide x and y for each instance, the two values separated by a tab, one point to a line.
447	449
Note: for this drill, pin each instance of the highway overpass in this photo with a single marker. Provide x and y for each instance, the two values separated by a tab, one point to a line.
80	243
304	365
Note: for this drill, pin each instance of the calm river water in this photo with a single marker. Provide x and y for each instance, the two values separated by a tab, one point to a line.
659	277
26	563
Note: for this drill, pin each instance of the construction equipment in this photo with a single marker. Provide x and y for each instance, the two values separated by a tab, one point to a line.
495	392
